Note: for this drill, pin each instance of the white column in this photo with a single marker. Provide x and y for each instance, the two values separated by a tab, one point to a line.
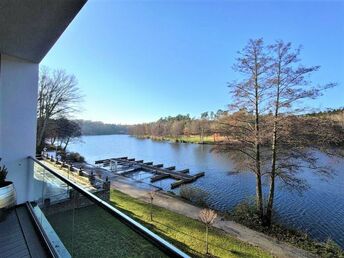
18	103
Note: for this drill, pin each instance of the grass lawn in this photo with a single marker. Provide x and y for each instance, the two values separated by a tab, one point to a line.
186	139
96	233
196	139
184	232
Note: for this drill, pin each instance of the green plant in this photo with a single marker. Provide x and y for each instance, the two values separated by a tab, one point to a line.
75	157
194	195
3	174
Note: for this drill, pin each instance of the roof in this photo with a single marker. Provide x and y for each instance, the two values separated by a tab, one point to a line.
28	29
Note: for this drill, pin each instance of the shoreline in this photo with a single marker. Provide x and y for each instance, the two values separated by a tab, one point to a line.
236	230
145	187
139	190
133	189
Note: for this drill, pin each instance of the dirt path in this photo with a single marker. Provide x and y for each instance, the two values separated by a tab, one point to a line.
276	248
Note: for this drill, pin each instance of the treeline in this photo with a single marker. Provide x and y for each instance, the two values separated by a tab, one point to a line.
180	125
100	128
220	123
336	115
328	112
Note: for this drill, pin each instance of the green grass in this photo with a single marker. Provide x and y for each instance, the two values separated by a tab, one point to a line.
196	139
187	139
96	233
184	232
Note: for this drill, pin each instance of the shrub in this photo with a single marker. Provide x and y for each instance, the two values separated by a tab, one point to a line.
81	171
75	157
246	213
194	195
3	174
92	178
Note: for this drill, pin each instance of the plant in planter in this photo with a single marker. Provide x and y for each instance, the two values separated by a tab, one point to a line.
7	192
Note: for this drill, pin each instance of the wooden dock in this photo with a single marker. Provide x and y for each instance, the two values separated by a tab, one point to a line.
181	176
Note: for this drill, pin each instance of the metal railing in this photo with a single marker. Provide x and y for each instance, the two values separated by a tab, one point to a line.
163	245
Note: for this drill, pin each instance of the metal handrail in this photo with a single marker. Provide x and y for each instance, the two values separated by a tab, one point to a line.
162	244
49	248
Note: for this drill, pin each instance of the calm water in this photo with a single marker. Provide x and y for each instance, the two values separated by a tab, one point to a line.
319	211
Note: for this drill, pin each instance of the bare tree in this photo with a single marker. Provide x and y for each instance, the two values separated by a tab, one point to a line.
290	85
151	198
208	217
58	95
177	128
249	96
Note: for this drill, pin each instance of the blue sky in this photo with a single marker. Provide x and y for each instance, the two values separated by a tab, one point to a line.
137	61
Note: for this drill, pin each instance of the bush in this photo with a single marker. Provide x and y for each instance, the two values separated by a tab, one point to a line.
194	195
75	157
52	147
3	174
246	213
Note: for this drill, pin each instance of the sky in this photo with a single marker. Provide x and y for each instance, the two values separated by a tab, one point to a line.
137	61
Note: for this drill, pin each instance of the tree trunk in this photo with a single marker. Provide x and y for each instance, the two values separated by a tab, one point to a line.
272	173
151	210
40	136
202	132
269	208
67	142
270	202
259	194
206	240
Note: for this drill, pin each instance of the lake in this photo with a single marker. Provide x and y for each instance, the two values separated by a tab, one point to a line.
319	211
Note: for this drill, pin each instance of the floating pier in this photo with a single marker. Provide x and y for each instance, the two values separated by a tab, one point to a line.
160	173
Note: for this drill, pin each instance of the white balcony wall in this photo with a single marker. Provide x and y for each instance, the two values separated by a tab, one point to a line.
18	98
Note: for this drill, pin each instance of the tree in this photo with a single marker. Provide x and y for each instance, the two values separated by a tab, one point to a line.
208	217
51	131
195	127
66	131
203	125
177	128
58	96
289	86
151	199
267	128
248	101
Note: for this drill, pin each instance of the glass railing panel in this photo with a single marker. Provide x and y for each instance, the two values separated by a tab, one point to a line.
80	224
51	196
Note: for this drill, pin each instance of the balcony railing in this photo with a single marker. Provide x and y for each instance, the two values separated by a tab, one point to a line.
78	223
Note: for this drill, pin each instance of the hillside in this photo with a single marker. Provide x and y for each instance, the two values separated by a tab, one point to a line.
100	128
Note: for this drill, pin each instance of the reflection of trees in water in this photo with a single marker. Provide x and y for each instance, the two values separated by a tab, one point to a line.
293	163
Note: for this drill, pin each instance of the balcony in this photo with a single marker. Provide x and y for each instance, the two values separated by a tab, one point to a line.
65	220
